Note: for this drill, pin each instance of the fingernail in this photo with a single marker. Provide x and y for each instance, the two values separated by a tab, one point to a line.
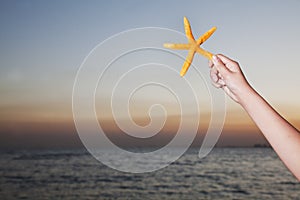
215	78
215	59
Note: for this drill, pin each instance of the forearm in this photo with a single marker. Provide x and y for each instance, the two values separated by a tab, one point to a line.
282	136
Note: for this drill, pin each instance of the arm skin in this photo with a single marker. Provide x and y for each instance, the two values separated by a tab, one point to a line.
283	137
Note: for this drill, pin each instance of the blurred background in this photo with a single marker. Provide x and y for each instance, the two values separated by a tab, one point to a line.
44	43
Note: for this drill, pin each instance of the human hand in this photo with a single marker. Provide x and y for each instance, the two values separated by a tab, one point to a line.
227	74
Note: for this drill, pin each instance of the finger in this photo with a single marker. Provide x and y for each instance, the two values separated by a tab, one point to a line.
216	81
214	78
221	82
217	85
210	64
225	59
229	63
214	75
220	76
223	70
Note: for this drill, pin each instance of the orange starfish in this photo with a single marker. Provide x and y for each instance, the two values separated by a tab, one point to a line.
193	46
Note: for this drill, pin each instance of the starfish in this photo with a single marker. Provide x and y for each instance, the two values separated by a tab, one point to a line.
193	45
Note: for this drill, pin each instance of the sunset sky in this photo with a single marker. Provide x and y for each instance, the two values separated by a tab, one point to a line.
43	44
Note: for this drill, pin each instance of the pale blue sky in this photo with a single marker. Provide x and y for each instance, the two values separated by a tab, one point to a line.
43	43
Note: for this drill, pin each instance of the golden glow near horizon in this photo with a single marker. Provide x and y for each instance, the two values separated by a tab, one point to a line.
43	45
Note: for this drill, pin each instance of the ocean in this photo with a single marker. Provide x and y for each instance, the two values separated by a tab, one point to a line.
226	173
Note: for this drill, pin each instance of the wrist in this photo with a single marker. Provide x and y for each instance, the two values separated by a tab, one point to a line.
246	95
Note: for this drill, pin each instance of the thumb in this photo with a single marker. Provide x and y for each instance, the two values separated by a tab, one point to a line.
223	70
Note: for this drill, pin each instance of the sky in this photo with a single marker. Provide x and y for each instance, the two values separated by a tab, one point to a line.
43	44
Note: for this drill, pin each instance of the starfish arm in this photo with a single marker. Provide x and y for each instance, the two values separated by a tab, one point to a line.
187	62
204	53
187	28
206	35
177	46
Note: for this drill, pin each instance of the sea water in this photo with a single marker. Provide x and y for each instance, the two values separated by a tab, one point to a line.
226	173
